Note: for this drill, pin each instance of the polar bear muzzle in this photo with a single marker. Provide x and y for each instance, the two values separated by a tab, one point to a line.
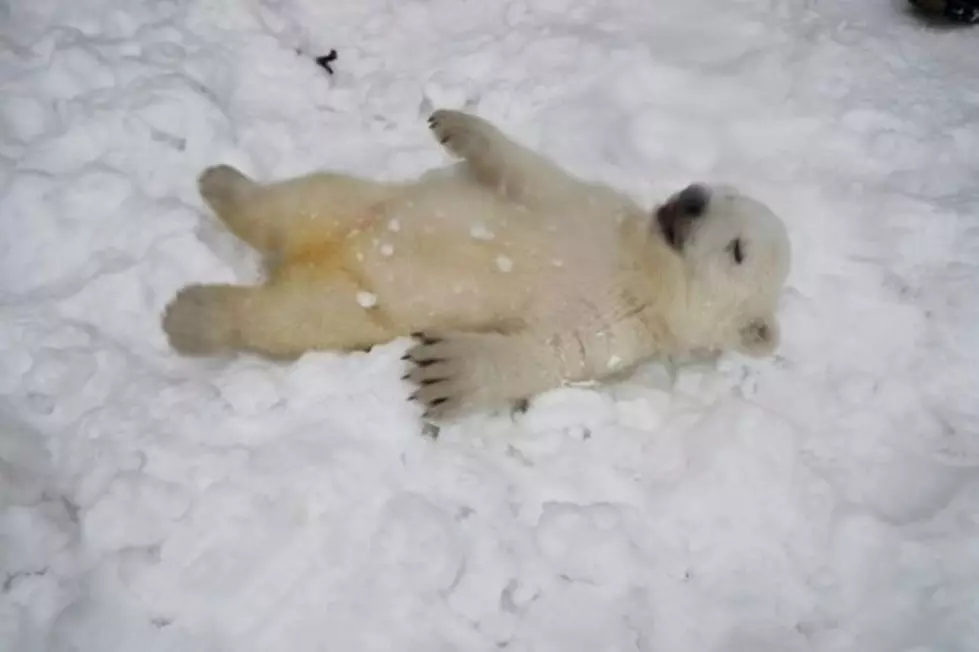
677	215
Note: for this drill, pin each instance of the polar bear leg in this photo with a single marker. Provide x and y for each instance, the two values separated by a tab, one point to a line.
499	162
289	215
280	320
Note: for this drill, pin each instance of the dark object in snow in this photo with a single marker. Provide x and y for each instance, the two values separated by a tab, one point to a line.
521	406
430	430
963	12
325	61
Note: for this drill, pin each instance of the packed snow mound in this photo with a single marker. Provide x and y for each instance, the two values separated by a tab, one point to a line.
823	500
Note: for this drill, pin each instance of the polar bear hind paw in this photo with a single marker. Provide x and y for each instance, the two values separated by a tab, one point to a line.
198	322
223	187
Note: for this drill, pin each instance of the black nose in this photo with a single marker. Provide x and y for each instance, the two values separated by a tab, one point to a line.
692	200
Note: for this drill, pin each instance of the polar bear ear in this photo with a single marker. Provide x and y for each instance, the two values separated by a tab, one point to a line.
760	336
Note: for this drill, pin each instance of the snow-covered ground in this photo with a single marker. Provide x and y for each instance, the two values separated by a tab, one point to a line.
825	500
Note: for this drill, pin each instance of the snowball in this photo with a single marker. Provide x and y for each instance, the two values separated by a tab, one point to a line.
480	232
366	299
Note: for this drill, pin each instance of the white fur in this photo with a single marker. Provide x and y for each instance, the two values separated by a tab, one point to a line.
515	276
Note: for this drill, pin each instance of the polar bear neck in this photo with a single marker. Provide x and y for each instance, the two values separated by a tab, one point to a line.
654	289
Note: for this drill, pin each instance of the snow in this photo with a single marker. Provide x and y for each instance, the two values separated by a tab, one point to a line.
366	299
827	499
480	232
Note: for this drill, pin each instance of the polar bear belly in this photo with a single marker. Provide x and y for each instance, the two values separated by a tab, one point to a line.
453	257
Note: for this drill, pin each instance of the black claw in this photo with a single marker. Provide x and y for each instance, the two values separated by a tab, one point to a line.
427	363
413	397
438	401
432	381
425	339
444	140
406	376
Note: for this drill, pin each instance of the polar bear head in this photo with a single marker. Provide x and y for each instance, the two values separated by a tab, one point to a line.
736	253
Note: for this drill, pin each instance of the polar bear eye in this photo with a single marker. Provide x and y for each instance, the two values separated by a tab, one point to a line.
737	250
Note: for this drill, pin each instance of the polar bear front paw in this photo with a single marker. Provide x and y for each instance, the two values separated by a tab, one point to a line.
199	320
462	134
453	372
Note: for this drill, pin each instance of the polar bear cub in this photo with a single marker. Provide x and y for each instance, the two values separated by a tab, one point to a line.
512	275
